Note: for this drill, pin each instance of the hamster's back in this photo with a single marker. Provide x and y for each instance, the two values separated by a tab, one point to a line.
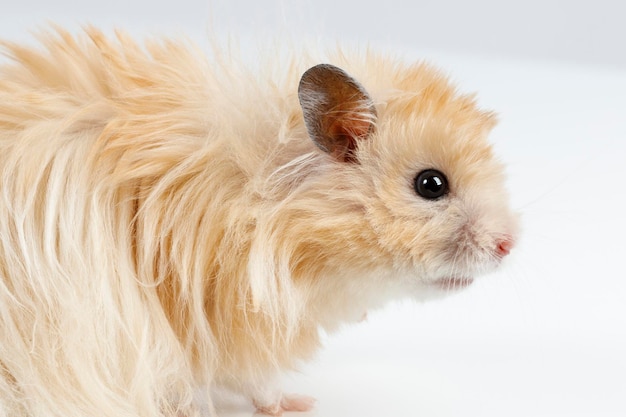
93	132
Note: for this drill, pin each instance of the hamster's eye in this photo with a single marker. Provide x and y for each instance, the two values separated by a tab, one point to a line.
431	184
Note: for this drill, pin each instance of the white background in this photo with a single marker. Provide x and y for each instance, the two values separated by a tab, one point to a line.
546	335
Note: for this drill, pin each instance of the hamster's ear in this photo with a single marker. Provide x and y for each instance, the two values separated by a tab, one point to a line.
337	110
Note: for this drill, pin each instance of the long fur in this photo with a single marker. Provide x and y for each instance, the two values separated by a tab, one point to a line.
166	224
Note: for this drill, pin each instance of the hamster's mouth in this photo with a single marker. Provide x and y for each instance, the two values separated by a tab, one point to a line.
454	283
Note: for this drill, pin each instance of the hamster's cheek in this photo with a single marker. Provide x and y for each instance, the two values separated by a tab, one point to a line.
395	236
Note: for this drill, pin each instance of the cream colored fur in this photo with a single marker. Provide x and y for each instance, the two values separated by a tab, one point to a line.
166	224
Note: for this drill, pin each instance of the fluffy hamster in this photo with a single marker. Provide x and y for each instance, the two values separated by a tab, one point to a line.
170	223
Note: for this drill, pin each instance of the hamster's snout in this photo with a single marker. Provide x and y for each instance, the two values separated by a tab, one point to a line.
504	246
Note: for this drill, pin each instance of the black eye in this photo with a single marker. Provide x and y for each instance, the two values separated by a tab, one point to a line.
431	184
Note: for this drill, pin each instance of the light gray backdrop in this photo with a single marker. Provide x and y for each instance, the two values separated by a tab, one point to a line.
546	335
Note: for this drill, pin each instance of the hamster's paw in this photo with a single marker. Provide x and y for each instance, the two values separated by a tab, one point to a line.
296	402
288	402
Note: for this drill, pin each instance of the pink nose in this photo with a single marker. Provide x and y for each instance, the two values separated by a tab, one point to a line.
504	246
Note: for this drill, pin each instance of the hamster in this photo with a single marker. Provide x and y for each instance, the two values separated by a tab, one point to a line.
171	223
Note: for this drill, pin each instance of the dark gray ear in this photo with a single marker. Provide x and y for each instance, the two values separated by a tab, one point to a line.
337	110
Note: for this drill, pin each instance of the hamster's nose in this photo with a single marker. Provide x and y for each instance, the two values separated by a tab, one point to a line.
504	246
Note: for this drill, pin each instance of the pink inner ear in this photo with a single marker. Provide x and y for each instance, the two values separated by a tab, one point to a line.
346	130
352	125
